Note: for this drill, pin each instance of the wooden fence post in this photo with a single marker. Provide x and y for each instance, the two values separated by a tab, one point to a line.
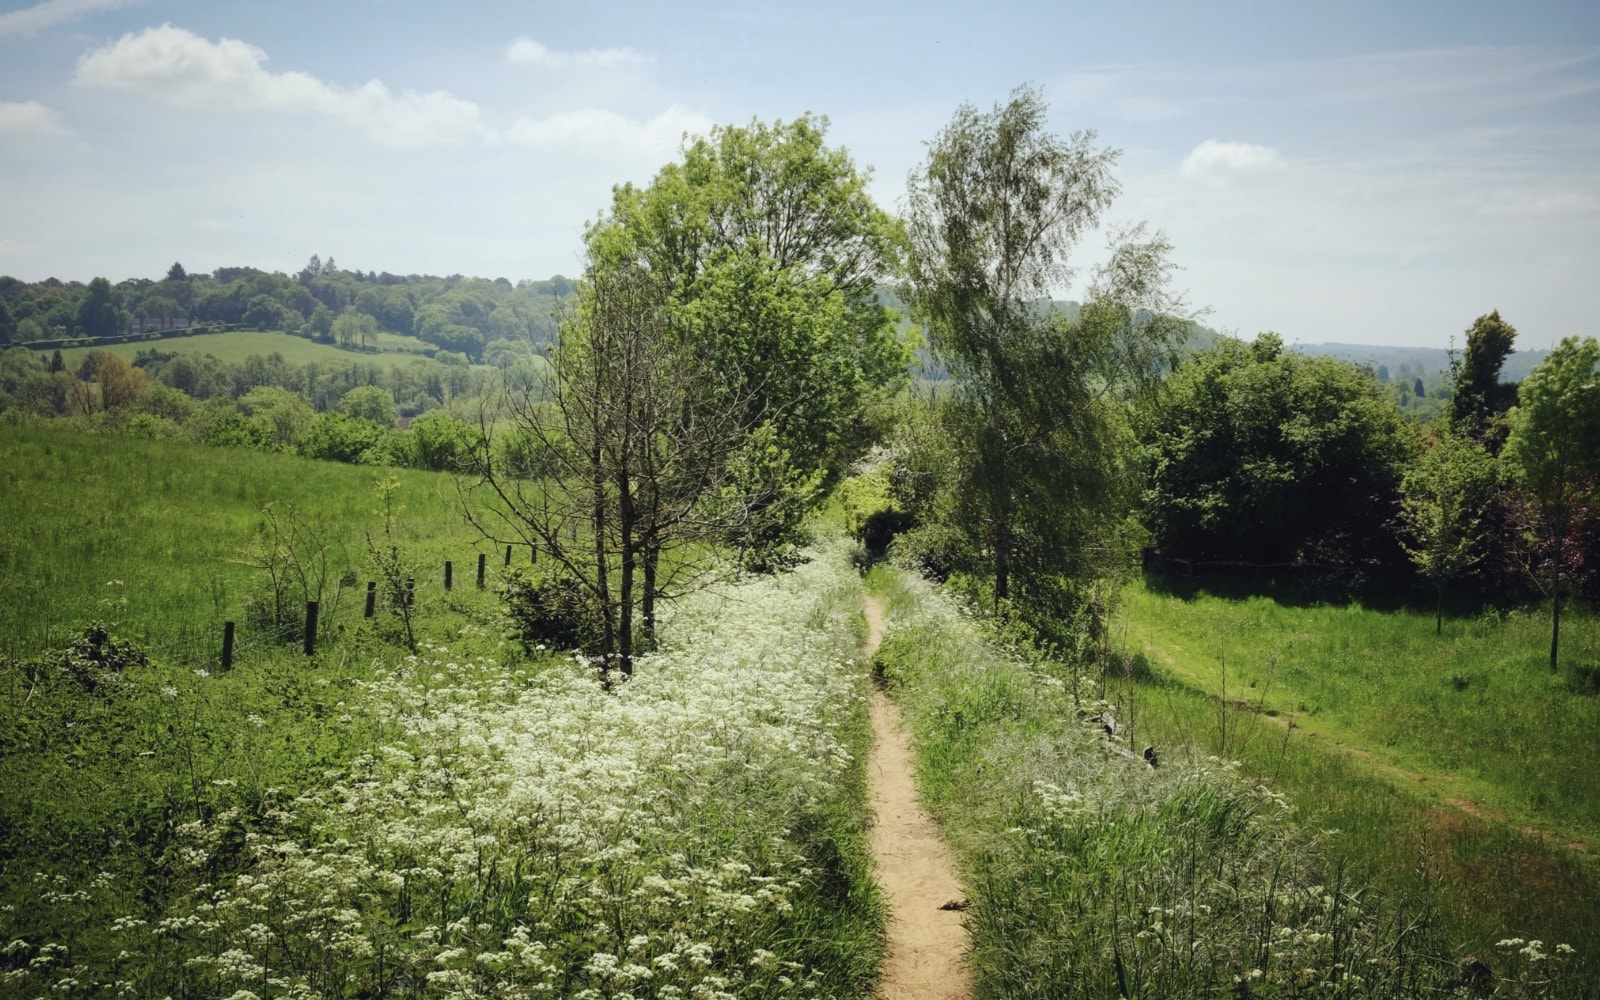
411	591
448	570
372	598
483	561
311	627
508	555
227	645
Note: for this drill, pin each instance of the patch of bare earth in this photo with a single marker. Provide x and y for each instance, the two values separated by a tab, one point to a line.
927	942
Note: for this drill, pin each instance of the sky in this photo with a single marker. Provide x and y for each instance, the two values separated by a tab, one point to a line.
1365	172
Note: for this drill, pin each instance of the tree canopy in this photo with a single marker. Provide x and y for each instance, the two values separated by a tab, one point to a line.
1035	437
1261	454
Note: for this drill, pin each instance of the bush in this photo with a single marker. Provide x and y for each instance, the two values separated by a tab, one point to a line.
555	611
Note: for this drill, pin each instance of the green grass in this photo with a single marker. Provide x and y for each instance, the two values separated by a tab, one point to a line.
365	821
156	534
1477	710
1459	760
234	348
1092	875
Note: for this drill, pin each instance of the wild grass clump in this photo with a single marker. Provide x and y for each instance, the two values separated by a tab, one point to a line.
1095	875
517	831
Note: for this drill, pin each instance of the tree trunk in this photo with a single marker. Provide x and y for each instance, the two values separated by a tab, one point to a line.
602	581
627	546
652	558
1555	591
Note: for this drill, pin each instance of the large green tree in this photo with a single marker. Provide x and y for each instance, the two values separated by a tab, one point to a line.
725	345
1036	430
97	314
1478	398
770	251
1259	454
1554	448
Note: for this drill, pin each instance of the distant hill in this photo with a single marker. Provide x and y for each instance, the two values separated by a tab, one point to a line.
1428	363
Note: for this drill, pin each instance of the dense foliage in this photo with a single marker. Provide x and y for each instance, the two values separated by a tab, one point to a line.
1260	454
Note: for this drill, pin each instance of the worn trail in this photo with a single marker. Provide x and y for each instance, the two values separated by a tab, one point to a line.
927	940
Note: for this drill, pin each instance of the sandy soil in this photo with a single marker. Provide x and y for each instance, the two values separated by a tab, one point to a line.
927	943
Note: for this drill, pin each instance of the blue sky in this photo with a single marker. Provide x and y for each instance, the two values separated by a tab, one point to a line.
1368	172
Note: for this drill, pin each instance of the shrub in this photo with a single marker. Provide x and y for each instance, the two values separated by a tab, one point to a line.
555	611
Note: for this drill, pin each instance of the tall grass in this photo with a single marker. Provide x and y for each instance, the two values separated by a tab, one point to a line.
157	535
1093	875
487	826
1478	705
1455	760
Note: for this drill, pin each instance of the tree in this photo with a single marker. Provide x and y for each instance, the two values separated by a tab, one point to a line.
370	402
1478	397
1443	498
770	251
1260	454
120	382
97	315
177	273
1037	421
1554	447
354	329
611	463
717	370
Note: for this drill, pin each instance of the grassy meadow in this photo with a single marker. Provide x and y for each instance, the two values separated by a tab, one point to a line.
234	348
468	818
1458	763
160	536
1092	874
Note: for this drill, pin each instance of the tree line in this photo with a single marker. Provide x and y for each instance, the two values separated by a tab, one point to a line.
463	316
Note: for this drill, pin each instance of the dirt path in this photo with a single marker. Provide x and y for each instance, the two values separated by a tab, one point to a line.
927	944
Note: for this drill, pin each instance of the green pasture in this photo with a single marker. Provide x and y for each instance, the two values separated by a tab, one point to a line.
234	348
1460	760
158	535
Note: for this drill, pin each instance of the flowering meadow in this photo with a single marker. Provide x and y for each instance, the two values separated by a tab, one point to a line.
517	831
1095	875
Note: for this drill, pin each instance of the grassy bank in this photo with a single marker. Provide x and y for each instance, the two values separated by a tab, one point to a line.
1452	765
161	536
1094	875
368	823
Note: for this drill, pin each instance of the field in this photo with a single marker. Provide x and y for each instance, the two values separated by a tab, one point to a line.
462	818
233	348
471	816
160	537
1460	759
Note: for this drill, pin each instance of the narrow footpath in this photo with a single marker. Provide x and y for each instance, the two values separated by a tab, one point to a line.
926	938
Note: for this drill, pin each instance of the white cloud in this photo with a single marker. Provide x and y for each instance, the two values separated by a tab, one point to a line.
31	20
29	119
1220	159
607	129
178	67
1510	203
527	52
